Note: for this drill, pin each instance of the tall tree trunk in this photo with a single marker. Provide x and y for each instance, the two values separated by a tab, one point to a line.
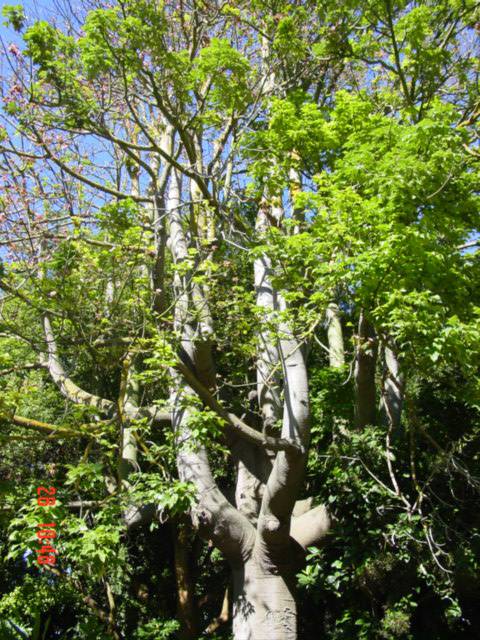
264	605
392	389
268	372
255	537
365	364
336	351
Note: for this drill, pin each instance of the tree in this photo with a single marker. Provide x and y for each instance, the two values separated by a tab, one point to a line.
196	194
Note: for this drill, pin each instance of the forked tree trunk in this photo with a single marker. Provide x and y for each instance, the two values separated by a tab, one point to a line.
264	606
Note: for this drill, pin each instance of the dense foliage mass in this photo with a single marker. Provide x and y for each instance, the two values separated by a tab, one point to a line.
239	279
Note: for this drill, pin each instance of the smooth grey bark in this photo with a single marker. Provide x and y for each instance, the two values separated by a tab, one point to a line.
310	527
264	599
336	350
268	358
255	537
213	515
287	474
392	389
264	596
70	390
365	365
254	466
264	585
264	604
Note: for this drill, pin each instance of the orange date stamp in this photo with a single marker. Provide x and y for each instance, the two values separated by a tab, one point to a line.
46	532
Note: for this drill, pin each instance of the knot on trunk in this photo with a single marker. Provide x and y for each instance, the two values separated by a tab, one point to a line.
201	517
273	527
272	524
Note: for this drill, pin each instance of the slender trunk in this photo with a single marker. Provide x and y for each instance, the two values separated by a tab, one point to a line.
129	450
335	336
264	604
186	610
224	616
365	364
268	371
392	390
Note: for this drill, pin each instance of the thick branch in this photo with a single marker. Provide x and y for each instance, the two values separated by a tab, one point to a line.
311	527
45	427
66	385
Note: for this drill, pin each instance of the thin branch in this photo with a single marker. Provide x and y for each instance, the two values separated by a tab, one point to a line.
51	429
235	424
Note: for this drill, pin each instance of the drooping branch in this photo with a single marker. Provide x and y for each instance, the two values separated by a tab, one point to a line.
76	394
67	387
51	429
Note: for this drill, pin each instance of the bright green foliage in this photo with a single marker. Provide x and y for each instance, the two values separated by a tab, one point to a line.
220	62
14	15
157	629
